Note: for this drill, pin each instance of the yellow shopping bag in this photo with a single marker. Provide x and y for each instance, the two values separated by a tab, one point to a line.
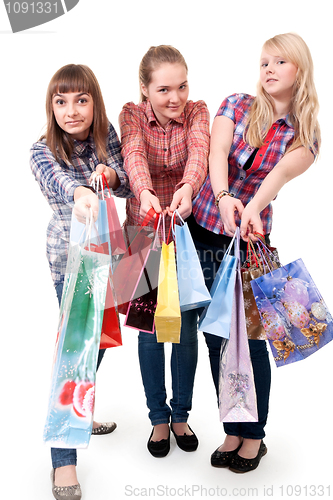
167	314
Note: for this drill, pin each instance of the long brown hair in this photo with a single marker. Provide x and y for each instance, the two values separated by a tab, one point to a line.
153	58
304	105
75	78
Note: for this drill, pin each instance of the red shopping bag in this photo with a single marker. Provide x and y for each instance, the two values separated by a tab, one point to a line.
110	333
128	269
118	245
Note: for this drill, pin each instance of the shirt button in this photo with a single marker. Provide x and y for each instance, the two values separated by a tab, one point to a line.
165	166
249	149
242	178
165	149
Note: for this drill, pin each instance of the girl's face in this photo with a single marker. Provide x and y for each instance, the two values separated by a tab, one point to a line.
167	91
277	75
74	112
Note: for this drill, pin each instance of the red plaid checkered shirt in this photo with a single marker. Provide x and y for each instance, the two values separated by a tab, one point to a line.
162	160
244	184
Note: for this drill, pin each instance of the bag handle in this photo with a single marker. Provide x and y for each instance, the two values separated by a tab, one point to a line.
99	183
90	224
173	223
251	253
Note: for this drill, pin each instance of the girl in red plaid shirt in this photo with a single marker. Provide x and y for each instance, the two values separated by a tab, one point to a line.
258	144
165	143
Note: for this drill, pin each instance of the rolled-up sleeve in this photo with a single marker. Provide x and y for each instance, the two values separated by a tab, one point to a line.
197	142
133	151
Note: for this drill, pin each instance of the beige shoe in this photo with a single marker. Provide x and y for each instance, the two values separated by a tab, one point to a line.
65	492
105	428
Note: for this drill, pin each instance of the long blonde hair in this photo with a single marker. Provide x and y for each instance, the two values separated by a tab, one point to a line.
304	103
75	78
152	59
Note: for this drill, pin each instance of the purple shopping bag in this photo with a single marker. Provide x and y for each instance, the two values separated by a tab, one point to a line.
237	394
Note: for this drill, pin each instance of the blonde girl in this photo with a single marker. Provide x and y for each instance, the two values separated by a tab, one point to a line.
258	144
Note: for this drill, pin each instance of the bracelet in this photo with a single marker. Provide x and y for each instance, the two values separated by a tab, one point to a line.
220	195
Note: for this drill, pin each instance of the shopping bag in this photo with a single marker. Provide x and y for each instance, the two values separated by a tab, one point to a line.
167	313
216	317
193	292
294	314
250	270
71	404
237	395
110	333
130	265
109	226
100	242
117	241
141	310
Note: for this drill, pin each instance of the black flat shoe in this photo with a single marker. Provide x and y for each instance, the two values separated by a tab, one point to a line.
186	442
159	449
223	458
241	465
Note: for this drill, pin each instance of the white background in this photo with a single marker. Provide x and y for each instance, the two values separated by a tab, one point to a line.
221	42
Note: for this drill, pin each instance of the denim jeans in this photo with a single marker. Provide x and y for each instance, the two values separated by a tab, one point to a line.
67	456
210	258
183	365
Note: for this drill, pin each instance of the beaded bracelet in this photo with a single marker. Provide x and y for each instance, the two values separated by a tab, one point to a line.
220	195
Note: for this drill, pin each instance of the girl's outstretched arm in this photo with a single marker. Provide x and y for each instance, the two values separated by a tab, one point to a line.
290	166
135	156
221	141
195	172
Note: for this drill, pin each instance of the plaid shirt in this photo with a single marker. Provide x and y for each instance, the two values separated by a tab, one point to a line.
58	182
244	184
162	160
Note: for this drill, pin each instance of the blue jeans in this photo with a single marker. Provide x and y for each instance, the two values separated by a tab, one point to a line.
210	257
183	365
67	456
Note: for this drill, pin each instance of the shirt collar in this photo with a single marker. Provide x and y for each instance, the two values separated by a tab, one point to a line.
152	118
287	120
81	146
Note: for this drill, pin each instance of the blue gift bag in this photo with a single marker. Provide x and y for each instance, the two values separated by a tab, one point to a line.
216	317
293	312
193	292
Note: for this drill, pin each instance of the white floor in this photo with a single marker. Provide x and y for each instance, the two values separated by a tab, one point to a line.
119	465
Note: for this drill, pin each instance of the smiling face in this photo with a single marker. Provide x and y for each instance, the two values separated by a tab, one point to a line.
74	113
167	92
277	75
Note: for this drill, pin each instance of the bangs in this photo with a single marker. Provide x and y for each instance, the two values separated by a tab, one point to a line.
70	78
276	48
289	46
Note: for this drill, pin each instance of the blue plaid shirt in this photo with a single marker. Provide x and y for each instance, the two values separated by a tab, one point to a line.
58	182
